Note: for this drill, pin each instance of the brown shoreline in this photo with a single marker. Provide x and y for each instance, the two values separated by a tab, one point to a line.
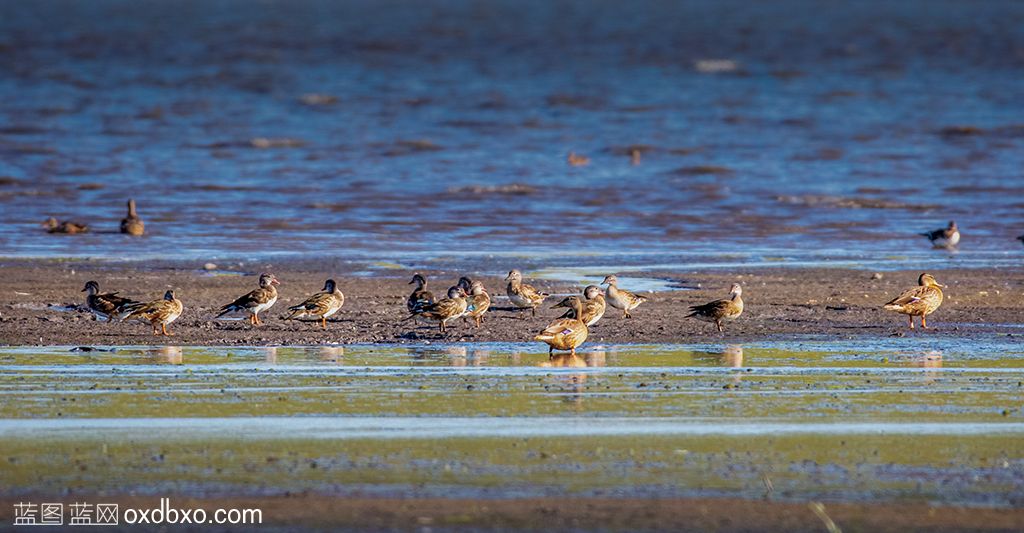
320	512
781	303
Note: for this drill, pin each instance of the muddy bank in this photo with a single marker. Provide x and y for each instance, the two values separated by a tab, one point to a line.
38	302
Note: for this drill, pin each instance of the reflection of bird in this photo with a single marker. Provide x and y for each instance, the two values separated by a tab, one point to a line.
255	301
719	310
920	301
132	224
162	312
621	299
445	309
170	354
578	160
67	227
565	333
593	307
733	356
522	295
479	302
107	305
321	305
565	360
944	237
420	296
331	354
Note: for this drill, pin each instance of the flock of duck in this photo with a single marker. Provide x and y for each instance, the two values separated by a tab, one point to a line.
469	299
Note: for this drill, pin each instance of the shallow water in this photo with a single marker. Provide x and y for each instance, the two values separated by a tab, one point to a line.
870	419
841	133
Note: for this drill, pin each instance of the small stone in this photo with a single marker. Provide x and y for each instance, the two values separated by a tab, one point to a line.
210	266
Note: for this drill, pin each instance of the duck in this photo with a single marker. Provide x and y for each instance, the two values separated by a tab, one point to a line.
66	227
106	305
621	299
466	284
321	305
255	301
522	295
420	296
720	310
162	312
944	237
445	309
1021	238
132	224
577	160
479	302
565	334
593	307
920	301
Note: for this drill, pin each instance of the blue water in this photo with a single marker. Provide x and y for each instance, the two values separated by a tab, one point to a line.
827	142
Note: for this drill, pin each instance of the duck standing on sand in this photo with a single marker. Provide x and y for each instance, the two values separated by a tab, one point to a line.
321	305
445	309
593	307
522	295
67	227
107	305
565	333
255	301
719	310
162	312
947	237
920	301
420	296
621	299
479	302
132	224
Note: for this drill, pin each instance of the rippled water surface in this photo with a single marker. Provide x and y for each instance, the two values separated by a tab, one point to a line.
411	130
867	420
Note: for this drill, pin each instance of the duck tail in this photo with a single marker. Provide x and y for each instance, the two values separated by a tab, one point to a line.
225	310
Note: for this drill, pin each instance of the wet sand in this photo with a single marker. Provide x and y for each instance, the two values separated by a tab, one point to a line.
780	303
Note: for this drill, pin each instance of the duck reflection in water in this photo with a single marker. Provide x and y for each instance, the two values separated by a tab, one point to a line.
331	354
168	354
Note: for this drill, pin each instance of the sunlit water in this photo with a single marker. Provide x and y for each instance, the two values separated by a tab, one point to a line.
885	419
836	135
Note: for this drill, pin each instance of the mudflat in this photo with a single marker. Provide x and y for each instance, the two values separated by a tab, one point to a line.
41	304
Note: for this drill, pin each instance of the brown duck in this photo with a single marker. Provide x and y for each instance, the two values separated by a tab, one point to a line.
162	312
621	299
521	295
565	333
255	301
920	301
106	305
720	310
132	224
445	309
593	307
420	296
321	305
67	227
479	302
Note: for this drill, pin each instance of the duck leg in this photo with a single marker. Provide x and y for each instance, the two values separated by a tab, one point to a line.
911	319
719	324
323	322
924	321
